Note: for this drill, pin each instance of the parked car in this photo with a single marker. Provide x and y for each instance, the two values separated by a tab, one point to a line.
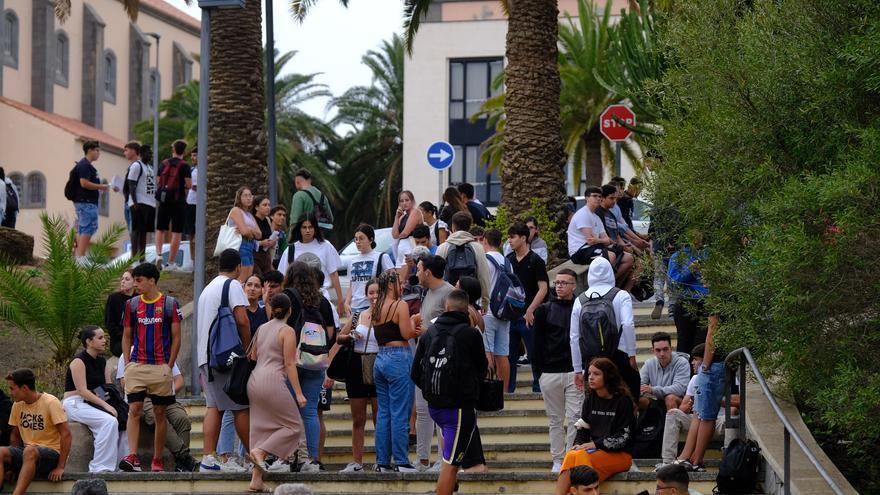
641	216
150	253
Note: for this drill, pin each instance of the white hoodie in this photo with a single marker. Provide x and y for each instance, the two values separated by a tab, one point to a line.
601	280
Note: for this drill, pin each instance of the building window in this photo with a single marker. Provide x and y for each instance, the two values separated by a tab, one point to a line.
10	39
468	167
181	68
470	85
104	201
154	81
35	191
62	58
109	76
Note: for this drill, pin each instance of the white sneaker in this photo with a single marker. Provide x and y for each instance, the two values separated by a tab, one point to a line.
352	467
557	467
230	466
436	467
209	465
170	267
279	466
309	467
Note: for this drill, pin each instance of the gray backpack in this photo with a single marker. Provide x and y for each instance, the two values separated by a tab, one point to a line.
599	331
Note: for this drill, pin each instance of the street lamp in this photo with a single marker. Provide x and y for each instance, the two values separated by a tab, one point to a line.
156	94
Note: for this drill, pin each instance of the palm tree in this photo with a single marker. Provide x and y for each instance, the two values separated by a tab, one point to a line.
237	133
53	302
179	118
533	156
372	154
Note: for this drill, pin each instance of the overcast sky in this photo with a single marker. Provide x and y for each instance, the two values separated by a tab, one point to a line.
331	40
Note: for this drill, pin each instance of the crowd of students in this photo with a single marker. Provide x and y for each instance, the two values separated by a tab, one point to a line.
405	315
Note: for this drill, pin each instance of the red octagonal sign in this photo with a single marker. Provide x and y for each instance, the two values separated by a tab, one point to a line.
611	128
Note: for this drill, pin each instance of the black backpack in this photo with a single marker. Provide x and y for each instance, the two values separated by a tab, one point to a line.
441	370
461	261
738	473
649	434
599	332
11	199
125	189
321	213
71	187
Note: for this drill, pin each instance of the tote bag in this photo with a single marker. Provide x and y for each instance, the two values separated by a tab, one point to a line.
227	238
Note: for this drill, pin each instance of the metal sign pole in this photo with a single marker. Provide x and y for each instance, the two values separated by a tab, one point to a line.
618	147
270	103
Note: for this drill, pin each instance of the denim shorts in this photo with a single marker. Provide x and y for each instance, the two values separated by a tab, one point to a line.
86	218
246	251
496	338
710	390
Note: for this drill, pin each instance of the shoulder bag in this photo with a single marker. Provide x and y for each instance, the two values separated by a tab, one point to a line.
227	238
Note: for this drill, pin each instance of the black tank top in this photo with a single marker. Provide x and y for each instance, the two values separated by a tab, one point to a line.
388	331
94	372
402	224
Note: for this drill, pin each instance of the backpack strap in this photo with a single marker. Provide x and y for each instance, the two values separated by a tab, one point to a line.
312	196
291	250
611	294
379	265
224	298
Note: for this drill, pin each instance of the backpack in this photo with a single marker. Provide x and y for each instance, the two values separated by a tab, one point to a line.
508	296
441	370
168	189
738	472
321	213
11	198
312	349
125	190
71	187
599	332
224	344
460	262
649	434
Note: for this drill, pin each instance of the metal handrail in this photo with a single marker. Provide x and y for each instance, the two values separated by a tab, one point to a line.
788	428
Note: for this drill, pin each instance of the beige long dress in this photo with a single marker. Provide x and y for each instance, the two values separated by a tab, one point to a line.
276	425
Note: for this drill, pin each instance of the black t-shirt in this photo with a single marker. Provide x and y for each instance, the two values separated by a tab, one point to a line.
265	229
185	173
113	313
85	170
626	205
530	271
94	372
610	222
257	318
479	212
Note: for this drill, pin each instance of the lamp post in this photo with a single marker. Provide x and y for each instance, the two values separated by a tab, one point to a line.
270	102
156	94
207	7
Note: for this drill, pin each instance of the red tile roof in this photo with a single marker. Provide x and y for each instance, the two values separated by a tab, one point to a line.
79	129
164	8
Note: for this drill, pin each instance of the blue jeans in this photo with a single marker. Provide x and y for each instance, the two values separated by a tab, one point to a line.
310	381
395	391
710	390
228	436
519	330
86	218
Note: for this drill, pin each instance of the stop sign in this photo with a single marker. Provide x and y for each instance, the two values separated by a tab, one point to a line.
610	127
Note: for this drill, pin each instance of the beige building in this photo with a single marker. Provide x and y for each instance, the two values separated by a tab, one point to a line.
458	51
92	77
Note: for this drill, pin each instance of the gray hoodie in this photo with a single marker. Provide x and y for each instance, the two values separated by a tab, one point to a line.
673	379
460	238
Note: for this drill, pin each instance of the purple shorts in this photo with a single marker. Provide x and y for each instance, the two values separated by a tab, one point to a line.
458	427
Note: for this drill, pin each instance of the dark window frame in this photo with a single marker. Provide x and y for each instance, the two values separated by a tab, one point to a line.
27	197
62	67
11	34
111	68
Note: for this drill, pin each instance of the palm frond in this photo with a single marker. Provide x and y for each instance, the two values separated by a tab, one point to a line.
413	13
299	8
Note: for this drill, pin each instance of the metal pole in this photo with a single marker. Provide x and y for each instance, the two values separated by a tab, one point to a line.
201	193
439	191
786	460
742	399
270	102
618	146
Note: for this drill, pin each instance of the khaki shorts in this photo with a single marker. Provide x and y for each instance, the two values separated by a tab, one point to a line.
153	380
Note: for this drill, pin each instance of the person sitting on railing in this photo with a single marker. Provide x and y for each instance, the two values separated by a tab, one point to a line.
606	429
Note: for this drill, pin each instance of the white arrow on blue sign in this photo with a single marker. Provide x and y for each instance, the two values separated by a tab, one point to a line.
441	155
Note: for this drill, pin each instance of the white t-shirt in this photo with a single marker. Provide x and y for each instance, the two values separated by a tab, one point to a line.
146	185
209	303
439	225
191	194
583	218
372	345
361	269
499	258
330	260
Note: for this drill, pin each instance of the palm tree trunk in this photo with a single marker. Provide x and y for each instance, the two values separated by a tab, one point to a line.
236	101
534	158
595	171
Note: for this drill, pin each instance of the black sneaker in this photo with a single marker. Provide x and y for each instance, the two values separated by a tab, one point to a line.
658	311
697	468
320	466
385	468
185	464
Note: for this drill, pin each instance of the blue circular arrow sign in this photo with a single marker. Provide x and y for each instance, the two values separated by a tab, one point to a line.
440	155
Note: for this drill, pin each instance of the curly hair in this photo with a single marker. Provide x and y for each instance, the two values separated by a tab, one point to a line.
388	286
301	277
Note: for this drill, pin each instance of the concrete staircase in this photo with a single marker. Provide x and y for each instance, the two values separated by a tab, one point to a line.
515	442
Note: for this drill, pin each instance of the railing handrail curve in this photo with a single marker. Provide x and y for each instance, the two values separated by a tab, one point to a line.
789	428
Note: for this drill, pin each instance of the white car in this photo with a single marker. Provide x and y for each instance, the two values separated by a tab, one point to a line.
641	213
150	253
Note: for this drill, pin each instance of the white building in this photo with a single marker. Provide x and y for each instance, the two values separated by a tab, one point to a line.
457	52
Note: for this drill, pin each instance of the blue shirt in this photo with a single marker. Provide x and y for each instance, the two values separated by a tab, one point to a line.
687	281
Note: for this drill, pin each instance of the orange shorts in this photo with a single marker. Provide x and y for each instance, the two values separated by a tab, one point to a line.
606	464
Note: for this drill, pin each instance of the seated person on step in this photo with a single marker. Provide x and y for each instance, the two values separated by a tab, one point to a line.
605	435
177	436
40	438
665	376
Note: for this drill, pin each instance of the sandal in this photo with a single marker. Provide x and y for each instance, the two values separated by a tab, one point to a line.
264	489
261	466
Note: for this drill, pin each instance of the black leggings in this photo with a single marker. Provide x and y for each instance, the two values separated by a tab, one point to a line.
690	324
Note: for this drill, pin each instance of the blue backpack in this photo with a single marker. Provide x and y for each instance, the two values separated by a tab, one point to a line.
508	300
224	343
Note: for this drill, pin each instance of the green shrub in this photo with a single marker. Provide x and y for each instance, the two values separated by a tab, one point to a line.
547	225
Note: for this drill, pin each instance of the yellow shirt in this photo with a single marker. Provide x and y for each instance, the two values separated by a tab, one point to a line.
37	422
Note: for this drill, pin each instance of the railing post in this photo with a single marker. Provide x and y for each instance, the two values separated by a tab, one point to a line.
786	462
742	397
